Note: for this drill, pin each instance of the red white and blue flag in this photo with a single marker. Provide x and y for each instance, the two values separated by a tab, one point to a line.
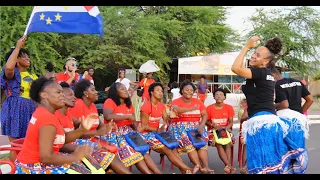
65	19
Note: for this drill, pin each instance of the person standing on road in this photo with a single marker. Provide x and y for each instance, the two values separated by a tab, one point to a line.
269	149
289	93
202	88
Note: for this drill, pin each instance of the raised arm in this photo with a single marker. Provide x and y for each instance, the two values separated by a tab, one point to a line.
237	66
12	61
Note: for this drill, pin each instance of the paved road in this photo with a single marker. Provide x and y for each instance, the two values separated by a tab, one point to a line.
313	145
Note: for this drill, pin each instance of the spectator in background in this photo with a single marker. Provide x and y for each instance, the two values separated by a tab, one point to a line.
175	91
202	89
69	76
145	83
17	109
50	72
88	74
123	80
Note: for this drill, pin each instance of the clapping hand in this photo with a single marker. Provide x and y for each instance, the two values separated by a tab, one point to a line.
110	126
87	122
82	151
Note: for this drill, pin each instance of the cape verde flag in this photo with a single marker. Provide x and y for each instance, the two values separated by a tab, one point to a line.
65	19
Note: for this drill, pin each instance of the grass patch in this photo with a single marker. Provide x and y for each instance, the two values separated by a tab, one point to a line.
4	156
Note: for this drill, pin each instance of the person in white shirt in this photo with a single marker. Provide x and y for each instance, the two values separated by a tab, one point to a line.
175	91
123	80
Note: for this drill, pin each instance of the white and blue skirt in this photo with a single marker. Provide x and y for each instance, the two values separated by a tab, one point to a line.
298	132
269	150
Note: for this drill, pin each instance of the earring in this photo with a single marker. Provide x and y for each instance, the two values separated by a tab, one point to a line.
87	96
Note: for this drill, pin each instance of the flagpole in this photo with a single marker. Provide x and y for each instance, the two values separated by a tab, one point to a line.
31	16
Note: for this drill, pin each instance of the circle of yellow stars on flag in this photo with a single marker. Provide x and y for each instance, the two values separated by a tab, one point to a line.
48	19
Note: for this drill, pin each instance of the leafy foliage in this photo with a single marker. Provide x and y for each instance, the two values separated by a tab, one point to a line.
132	36
299	29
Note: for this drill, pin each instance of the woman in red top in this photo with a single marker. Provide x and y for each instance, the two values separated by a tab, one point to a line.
152	113
220	119
45	135
191	115
145	83
105	159
118	107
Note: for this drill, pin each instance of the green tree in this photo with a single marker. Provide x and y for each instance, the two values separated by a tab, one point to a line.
132	36
299	29
42	46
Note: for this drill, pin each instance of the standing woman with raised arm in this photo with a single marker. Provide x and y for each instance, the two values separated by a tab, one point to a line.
15	80
264	132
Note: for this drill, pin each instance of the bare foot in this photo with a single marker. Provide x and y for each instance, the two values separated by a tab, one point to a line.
210	171
188	172
233	170
203	171
195	169
227	170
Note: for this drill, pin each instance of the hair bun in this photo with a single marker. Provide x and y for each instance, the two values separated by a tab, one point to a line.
274	45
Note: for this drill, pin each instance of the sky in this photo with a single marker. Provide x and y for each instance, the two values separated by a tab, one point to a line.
238	14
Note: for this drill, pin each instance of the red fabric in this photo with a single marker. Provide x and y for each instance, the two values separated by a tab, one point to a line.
202	97
188	116
220	116
30	152
119	110
64	76
145	94
153	112
81	109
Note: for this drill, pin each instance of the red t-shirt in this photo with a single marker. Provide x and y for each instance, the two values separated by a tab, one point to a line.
64	76
220	116
191	115
65	121
81	109
30	152
119	110
145	95
155	113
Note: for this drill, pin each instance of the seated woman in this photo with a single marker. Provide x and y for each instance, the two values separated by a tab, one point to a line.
45	135
104	158
191	115
151	114
118	107
220	120
243	117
